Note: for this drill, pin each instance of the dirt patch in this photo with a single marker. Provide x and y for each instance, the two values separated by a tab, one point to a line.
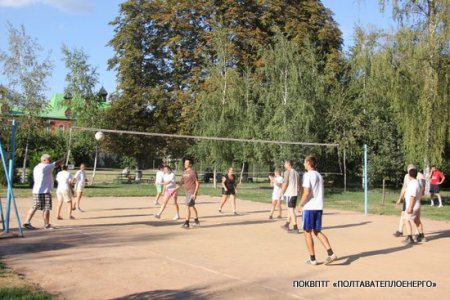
117	249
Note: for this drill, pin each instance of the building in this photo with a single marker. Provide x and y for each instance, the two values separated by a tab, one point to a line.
57	115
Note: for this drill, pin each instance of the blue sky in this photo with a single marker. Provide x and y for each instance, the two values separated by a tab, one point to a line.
84	24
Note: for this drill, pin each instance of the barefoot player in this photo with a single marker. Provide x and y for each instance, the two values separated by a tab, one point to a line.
312	204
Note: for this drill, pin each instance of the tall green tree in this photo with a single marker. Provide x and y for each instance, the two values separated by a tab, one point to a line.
27	68
420	50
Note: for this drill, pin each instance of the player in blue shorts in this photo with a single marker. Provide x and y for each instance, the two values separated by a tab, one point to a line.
312	204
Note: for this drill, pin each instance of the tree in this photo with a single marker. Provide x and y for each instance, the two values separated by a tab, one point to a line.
81	79
27	71
421	60
164	48
83	100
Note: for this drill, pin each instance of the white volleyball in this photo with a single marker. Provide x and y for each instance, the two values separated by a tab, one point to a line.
99	136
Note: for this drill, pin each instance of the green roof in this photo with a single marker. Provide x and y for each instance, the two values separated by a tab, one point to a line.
58	108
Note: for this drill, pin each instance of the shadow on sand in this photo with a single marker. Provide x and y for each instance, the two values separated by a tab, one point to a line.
167	295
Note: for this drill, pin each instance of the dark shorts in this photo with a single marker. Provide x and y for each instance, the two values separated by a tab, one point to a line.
312	220
434	188
291	201
229	192
42	201
189	201
404	205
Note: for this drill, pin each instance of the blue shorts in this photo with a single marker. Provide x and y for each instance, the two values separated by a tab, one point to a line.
312	220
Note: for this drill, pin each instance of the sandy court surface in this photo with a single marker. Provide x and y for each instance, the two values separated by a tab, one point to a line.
117	249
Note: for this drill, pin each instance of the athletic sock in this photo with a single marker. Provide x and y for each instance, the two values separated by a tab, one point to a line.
410	238
330	252
313	258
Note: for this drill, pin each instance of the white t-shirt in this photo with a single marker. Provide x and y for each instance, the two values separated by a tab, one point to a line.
159	177
43	178
413	189
314	181
63	179
170	178
80	177
276	188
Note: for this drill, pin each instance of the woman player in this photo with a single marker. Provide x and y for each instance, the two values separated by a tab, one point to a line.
277	182
170	192
229	189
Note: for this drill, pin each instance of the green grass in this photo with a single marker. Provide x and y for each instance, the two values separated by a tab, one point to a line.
24	293
351	200
20	289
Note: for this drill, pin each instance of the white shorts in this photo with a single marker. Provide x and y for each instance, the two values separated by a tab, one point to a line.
64	195
411	217
79	188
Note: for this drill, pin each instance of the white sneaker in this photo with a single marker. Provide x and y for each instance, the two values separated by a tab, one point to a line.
441	205
432	204
176	217
311	262
330	259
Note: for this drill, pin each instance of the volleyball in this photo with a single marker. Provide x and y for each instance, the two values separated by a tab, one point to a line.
99	136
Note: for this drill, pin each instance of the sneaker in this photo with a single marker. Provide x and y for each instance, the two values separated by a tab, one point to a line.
398	234
408	241
293	231
176	217
311	262
49	227
432	204
73	208
279	217
421	239
59	218
196	223
235	213
185	225
28	226
285	226
330	259
80	210
156	203
270	217
440	205
220	210
72	218
157	216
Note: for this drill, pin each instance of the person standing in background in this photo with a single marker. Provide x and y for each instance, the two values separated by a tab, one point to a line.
80	180
159	183
436	179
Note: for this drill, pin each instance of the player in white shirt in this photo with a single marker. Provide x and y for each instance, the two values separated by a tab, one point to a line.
42	190
312	204
159	183
413	196
171	188
80	180
277	182
64	192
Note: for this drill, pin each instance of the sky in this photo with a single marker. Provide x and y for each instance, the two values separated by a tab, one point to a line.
84	24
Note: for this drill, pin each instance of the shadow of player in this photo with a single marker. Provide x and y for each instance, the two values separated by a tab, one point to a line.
348	260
